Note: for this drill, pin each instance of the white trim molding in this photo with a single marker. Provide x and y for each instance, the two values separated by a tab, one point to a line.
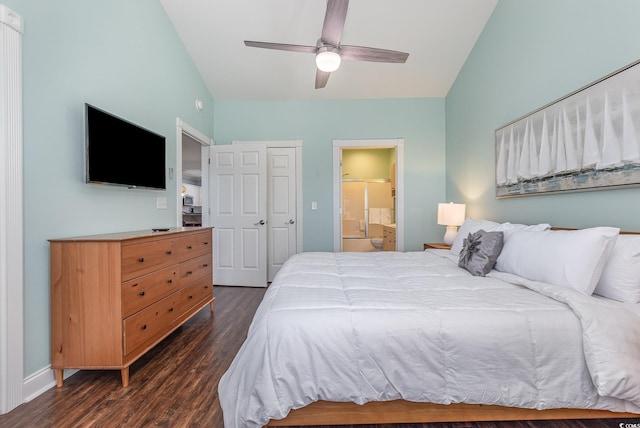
194	133
338	145
41	381
11	212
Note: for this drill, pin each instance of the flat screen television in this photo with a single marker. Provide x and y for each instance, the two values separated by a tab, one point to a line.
122	153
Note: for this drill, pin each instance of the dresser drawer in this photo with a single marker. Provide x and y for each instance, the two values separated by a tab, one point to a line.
138	259
142	291
194	269
195	293
389	235
194	245
146	324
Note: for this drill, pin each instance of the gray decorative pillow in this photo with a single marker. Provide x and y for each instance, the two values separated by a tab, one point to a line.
480	251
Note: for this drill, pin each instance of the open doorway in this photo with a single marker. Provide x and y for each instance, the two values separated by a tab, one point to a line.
368	194
368	199
191	182
192	176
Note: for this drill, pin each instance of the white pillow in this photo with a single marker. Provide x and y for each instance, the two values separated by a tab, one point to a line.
620	278
471	226
509	228
569	258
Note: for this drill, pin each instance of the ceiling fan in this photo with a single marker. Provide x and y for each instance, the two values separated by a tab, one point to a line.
329	52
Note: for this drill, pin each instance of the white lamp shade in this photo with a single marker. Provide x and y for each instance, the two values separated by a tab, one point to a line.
328	59
451	214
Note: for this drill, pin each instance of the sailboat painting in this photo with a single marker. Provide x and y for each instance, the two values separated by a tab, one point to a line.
587	140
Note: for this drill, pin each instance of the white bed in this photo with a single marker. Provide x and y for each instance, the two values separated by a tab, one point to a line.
369	327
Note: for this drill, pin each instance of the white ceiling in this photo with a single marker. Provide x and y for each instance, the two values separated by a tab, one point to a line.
437	34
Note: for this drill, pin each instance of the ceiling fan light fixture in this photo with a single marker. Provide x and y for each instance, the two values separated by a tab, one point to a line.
328	58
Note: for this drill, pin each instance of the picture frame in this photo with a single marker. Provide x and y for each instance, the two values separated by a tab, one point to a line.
586	140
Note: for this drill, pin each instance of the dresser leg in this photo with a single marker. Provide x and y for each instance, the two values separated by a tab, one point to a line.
212	304
124	373
59	377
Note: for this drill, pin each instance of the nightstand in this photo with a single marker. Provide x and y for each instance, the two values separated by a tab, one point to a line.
437	246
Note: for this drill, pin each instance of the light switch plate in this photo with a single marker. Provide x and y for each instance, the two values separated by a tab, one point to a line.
161	203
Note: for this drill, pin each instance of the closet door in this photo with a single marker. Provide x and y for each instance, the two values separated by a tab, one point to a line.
281	207
238	192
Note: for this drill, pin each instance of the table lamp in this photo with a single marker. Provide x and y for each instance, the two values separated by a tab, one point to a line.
450	215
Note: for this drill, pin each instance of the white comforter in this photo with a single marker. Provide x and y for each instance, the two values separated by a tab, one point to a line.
382	326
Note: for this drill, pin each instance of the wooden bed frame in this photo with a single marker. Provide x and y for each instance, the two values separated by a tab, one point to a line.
401	411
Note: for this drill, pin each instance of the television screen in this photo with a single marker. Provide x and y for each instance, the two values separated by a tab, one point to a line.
121	153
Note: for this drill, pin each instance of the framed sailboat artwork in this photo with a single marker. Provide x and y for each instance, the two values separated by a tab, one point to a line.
587	140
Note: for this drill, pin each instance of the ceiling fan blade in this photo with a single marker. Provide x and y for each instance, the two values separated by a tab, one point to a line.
360	53
321	78
334	21
281	46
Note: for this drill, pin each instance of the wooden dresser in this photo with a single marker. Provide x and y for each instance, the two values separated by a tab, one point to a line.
115	296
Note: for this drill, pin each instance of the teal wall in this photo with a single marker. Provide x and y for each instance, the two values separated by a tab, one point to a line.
367	163
531	53
419	121
120	55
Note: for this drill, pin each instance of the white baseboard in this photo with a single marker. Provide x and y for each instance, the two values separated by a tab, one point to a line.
41	381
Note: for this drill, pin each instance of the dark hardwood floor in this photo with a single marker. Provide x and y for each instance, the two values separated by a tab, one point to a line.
175	384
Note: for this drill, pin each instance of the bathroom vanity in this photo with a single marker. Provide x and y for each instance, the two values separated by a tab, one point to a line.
389	237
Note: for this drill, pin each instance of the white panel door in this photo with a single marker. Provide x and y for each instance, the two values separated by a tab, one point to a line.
281	206
238	194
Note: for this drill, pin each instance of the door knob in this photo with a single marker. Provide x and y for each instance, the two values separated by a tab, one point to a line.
261	222
289	222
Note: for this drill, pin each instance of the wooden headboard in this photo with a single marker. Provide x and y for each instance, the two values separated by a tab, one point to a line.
622	232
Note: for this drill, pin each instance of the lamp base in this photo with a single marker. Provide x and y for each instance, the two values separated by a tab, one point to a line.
450	235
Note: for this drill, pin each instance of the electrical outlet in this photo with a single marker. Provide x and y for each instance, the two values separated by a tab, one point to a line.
314	205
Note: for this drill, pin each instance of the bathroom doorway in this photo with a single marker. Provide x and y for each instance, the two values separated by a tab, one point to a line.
369	195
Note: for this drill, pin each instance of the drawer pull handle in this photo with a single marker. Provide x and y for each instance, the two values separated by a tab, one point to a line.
142	293
206	265
169	252
206	242
189	247
191	297
206	286
170	281
141	259
170	309
144	326
190	272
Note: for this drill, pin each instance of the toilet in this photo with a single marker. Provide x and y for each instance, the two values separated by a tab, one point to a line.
377	242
